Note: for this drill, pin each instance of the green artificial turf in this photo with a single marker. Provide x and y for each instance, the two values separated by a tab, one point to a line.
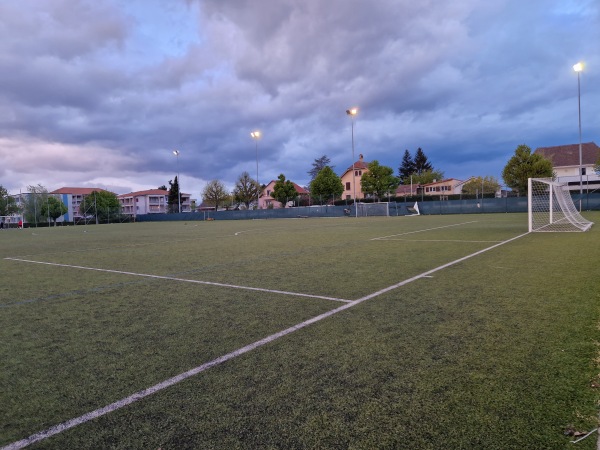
497	351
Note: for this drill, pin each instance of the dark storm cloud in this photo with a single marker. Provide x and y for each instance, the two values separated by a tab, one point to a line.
467	81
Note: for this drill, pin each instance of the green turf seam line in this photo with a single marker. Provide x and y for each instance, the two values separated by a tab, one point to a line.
421	231
185	280
56	429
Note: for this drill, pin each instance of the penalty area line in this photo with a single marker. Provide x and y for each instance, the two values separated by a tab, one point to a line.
421	231
183	280
56	429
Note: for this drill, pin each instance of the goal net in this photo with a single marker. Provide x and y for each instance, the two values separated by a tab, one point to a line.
551	207
373	209
10	221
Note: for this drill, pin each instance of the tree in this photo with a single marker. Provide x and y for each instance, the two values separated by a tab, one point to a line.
407	168
53	208
162	188
326	184
597	167
214	193
318	165
524	165
429	176
379	180
284	190
421	162
173	199
475	185
32	203
100	204
246	189
8	205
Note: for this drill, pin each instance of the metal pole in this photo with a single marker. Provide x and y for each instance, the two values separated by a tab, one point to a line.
354	170
256	136
257	182
176	153
178	185
580	152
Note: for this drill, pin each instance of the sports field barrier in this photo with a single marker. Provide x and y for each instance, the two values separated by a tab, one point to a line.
398	208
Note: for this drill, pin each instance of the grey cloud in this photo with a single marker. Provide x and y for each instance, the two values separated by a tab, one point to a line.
467	81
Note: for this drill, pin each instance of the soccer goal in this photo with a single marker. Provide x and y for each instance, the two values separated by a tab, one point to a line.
373	209
10	221
551	207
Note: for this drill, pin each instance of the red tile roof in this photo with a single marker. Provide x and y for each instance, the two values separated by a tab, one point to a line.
568	155
442	181
299	189
77	191
407	189
360	164
146	192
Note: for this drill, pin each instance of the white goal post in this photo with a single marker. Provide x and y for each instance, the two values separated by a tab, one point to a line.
10	221
373	209
551	207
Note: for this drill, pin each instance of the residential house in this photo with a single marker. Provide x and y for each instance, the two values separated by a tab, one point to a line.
352	175
442	189
267	201
565	159
151	201
72	198
407	190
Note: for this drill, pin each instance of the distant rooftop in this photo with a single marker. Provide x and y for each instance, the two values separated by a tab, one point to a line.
568	155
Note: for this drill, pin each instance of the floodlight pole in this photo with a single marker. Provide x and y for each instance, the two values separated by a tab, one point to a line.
352	112
578	68
176	153
256	136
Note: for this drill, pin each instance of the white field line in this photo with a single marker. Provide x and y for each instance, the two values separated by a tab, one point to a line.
184	280
421	231
56	429
436	240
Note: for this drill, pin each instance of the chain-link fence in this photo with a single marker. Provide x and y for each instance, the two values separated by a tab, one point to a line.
591	201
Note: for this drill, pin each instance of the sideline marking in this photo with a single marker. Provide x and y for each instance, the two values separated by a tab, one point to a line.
185	280
421	231
56	429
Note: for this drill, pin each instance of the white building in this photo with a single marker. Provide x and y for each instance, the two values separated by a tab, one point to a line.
565	159
151	201
72	197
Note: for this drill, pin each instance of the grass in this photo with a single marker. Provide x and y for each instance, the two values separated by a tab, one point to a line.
498	351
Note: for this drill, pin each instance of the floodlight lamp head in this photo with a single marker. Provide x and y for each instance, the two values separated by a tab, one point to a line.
176	152
578	67
255	134
352	111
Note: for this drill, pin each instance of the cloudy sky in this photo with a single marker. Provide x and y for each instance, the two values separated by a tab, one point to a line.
99	93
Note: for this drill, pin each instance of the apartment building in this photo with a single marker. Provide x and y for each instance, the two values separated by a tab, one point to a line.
151	201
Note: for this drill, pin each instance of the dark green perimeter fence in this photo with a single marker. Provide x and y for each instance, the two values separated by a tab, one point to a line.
431	207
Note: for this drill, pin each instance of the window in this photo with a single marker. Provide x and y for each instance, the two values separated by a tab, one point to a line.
348	186
583	171
347	197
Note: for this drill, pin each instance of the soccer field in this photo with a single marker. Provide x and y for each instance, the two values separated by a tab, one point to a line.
424	332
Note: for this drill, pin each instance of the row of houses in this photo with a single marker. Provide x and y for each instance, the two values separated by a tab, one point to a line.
565	159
